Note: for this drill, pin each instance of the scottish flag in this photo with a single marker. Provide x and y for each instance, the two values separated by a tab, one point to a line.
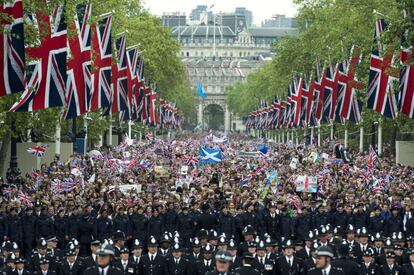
210	155
201	93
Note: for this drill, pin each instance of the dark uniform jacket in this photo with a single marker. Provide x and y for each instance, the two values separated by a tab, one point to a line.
348	266
247	270
333	271
407	269
372	268
282	266
183	267
385	270
94	270
156	267
130	269
77	268
201	268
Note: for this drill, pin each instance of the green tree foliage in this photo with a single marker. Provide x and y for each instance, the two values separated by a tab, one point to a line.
162	65
327	31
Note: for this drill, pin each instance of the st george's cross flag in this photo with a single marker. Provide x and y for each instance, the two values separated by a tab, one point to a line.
210	155
306	184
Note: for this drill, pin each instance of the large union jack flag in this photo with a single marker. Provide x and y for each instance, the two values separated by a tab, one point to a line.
119	97
102	54
350	106
381	97
132	85
12	56
296	103
78	85
330	93
47	73
406	95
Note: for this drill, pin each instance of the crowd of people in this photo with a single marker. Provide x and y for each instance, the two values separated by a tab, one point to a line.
155	207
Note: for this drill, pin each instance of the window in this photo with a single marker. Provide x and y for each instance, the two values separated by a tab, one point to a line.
188	54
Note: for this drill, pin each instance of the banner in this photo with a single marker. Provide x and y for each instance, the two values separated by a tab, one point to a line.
306	184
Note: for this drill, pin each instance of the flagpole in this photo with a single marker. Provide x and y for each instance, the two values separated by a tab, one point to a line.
346	138
57	139
380	137
312	134
129	129
110	131
319	135
85	126
361	139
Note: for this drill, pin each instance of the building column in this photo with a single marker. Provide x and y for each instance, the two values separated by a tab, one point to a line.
200	115
226	119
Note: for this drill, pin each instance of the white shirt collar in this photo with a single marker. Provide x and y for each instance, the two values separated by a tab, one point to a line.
105	269
152	255
326	269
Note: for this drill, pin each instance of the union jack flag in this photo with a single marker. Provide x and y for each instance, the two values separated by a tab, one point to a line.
330	93
119	98
101	76
191	161
140	94
292	199
78	85
59	186
296	102
381	97
372	157
12	58
350	106
406	95
25	199
132	84
38	151
47	74
149	136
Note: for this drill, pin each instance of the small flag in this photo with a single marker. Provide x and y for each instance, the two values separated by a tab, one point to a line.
191	161
201	92
149	136
38	151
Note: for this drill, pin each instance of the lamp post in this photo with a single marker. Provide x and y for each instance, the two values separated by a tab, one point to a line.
13	172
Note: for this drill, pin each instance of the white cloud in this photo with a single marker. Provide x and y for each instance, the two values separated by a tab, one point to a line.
262	9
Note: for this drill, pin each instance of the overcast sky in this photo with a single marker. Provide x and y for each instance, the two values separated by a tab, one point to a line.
262	9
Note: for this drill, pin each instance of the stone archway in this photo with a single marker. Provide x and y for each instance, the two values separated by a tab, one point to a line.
213	117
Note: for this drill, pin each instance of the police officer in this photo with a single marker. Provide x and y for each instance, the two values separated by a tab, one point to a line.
72	265
247	268
185	226
390	268
310	262
248	235
34	263
177	265
165	243
262	263
305	253
28	224
288	263
135	258
408	268
106	254
343	261
124	264
104	225
206	264
362	245
139	224
195	254
324	256
368	265
152	263
20	268
44	268
119	242
222	264
92	259
236	261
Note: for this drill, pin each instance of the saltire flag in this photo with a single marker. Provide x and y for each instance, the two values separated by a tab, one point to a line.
191	161
350	106
200	90
78	84
381	97
38	151
406	94
209	155
47	73
119	78
102	62
12	57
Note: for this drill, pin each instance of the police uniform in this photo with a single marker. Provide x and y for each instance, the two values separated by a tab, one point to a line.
48	272
104	250
247	270
152	264
333	271
282	265
128	267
